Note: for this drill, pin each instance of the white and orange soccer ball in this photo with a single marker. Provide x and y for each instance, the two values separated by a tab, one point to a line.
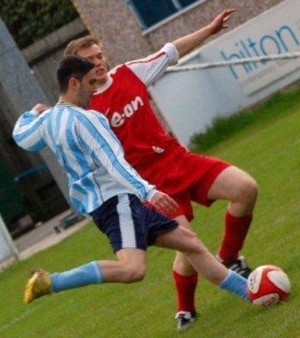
267	285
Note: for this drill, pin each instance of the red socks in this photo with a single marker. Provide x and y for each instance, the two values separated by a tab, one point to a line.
185	287
235	232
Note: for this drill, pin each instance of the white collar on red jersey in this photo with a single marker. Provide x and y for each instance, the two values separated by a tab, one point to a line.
106	85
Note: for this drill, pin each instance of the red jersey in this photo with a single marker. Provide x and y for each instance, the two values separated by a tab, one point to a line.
125	102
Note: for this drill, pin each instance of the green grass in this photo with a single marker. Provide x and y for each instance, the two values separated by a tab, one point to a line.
269	149
225	127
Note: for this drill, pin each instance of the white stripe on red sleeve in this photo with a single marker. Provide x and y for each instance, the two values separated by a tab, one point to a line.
152	67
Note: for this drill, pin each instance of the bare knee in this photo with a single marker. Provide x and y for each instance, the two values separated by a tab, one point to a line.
132	265
248	190
252	185
132	274
182	265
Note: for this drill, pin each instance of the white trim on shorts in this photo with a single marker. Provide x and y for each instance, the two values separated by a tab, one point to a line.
127	227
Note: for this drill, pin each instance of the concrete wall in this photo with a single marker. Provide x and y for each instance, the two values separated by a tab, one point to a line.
44	55
116	25
19	91
42	58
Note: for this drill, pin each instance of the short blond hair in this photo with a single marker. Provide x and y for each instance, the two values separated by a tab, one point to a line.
84	42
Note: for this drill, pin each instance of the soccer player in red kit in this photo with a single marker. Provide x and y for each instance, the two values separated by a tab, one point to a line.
158	157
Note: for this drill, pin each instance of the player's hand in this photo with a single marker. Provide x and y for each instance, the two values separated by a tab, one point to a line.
220	21
164	204
40	108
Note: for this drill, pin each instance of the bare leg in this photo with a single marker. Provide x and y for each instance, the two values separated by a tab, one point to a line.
203	261
185	279
181	263
130	267
236	186
200	258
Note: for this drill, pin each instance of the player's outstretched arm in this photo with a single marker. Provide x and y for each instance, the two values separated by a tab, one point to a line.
188	42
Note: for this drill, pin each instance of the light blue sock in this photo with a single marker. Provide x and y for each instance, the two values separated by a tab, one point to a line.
83	275
235	283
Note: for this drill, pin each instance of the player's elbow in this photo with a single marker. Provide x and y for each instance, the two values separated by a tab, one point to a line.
29	144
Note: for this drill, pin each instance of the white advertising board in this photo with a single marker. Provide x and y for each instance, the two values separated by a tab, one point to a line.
274	32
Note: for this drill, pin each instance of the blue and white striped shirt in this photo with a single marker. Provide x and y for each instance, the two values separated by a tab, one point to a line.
87	149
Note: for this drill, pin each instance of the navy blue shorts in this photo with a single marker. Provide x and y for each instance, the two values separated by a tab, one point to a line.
128	223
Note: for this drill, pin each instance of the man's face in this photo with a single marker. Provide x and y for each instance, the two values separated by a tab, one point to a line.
96	56
87	87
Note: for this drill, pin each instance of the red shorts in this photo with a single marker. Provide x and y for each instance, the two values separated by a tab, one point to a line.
185	176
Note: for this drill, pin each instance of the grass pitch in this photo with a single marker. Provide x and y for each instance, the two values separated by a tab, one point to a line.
269	149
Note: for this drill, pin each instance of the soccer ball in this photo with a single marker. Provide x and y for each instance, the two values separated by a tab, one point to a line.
267	285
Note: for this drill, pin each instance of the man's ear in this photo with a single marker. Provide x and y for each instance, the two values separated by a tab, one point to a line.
74	83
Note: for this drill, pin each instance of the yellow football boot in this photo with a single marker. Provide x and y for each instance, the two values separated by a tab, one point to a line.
37	286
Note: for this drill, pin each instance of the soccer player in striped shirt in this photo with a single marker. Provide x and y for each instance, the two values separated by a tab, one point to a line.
102	184
122	96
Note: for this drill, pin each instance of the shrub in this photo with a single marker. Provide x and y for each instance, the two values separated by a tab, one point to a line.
30	20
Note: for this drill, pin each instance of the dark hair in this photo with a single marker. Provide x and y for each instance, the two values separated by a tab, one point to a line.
81	43
72	66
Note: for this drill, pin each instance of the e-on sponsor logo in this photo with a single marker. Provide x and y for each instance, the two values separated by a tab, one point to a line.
118	118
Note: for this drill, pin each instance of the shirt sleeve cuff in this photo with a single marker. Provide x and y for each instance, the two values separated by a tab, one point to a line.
150	194
172	53
34	112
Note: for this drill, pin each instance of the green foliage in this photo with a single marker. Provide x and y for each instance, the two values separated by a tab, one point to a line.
30	20
225	127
